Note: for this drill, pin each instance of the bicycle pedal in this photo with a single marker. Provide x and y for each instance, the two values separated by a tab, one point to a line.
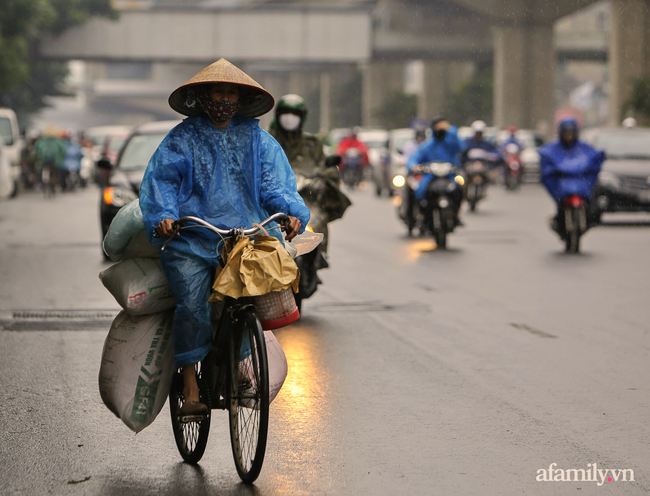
186	419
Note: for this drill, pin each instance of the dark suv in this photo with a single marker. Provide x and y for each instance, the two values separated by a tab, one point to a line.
624	181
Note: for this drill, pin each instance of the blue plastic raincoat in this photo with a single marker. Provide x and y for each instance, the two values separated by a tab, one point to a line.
73	156
433	150
231	178
570	170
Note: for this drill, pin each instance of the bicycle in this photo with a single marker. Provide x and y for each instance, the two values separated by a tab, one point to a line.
234	376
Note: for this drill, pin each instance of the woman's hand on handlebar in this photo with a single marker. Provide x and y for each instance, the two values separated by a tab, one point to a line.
166	228
292	227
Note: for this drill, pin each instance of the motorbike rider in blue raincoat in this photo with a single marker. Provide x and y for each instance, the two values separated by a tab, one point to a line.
219	165
569	167
443	146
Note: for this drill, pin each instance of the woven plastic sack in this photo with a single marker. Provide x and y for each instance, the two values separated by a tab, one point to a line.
137	367
126	237
139	285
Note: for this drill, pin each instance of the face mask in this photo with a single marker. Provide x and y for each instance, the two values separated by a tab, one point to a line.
217	112
440	134
289	122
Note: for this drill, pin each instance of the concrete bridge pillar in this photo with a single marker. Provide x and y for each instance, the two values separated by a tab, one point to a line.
629	51
379	79
440	78
524	76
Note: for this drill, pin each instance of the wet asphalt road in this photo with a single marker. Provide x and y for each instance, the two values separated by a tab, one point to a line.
412	370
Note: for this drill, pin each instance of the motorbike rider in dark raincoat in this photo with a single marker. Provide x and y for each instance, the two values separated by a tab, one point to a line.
318	183
569	167
219	165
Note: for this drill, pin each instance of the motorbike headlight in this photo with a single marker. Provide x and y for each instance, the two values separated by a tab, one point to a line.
118	197
460	180
399	181
443	202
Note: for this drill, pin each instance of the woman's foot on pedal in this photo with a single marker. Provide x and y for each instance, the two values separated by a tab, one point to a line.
192	408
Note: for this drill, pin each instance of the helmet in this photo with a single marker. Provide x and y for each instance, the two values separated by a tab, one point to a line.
437	119
478	126
294	104
567	124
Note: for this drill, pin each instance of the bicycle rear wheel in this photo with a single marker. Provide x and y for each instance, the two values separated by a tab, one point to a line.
248	396
190	433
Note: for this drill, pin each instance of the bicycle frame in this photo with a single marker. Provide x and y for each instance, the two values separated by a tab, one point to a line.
213	364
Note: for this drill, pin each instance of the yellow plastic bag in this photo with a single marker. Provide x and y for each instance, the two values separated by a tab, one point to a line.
255	269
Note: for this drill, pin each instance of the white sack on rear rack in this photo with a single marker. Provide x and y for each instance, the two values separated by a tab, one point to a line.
139	285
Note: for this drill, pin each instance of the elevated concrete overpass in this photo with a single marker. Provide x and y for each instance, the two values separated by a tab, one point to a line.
380	36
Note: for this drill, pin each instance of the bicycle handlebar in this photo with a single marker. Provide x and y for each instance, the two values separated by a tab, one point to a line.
179	224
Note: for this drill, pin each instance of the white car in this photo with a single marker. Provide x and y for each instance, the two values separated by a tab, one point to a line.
12	149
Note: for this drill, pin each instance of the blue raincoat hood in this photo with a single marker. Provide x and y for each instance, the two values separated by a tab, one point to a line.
570	170
231	178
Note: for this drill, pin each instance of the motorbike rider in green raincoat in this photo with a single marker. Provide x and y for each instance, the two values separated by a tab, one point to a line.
318	182
307	159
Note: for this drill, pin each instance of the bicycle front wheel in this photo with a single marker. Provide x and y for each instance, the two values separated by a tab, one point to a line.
248	396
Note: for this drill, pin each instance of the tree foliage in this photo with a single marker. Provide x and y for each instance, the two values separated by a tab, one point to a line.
398	109
25	77
472	99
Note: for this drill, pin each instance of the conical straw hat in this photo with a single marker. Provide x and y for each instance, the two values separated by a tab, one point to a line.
223	71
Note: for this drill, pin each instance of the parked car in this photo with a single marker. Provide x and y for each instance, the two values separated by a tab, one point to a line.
13	146
101	134
106	143
624	181
125	177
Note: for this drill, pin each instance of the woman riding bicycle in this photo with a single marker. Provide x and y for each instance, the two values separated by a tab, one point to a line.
218	165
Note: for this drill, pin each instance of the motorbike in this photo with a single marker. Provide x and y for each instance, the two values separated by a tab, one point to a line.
352	167
436	213
573	221
326	203
513	167
477	167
